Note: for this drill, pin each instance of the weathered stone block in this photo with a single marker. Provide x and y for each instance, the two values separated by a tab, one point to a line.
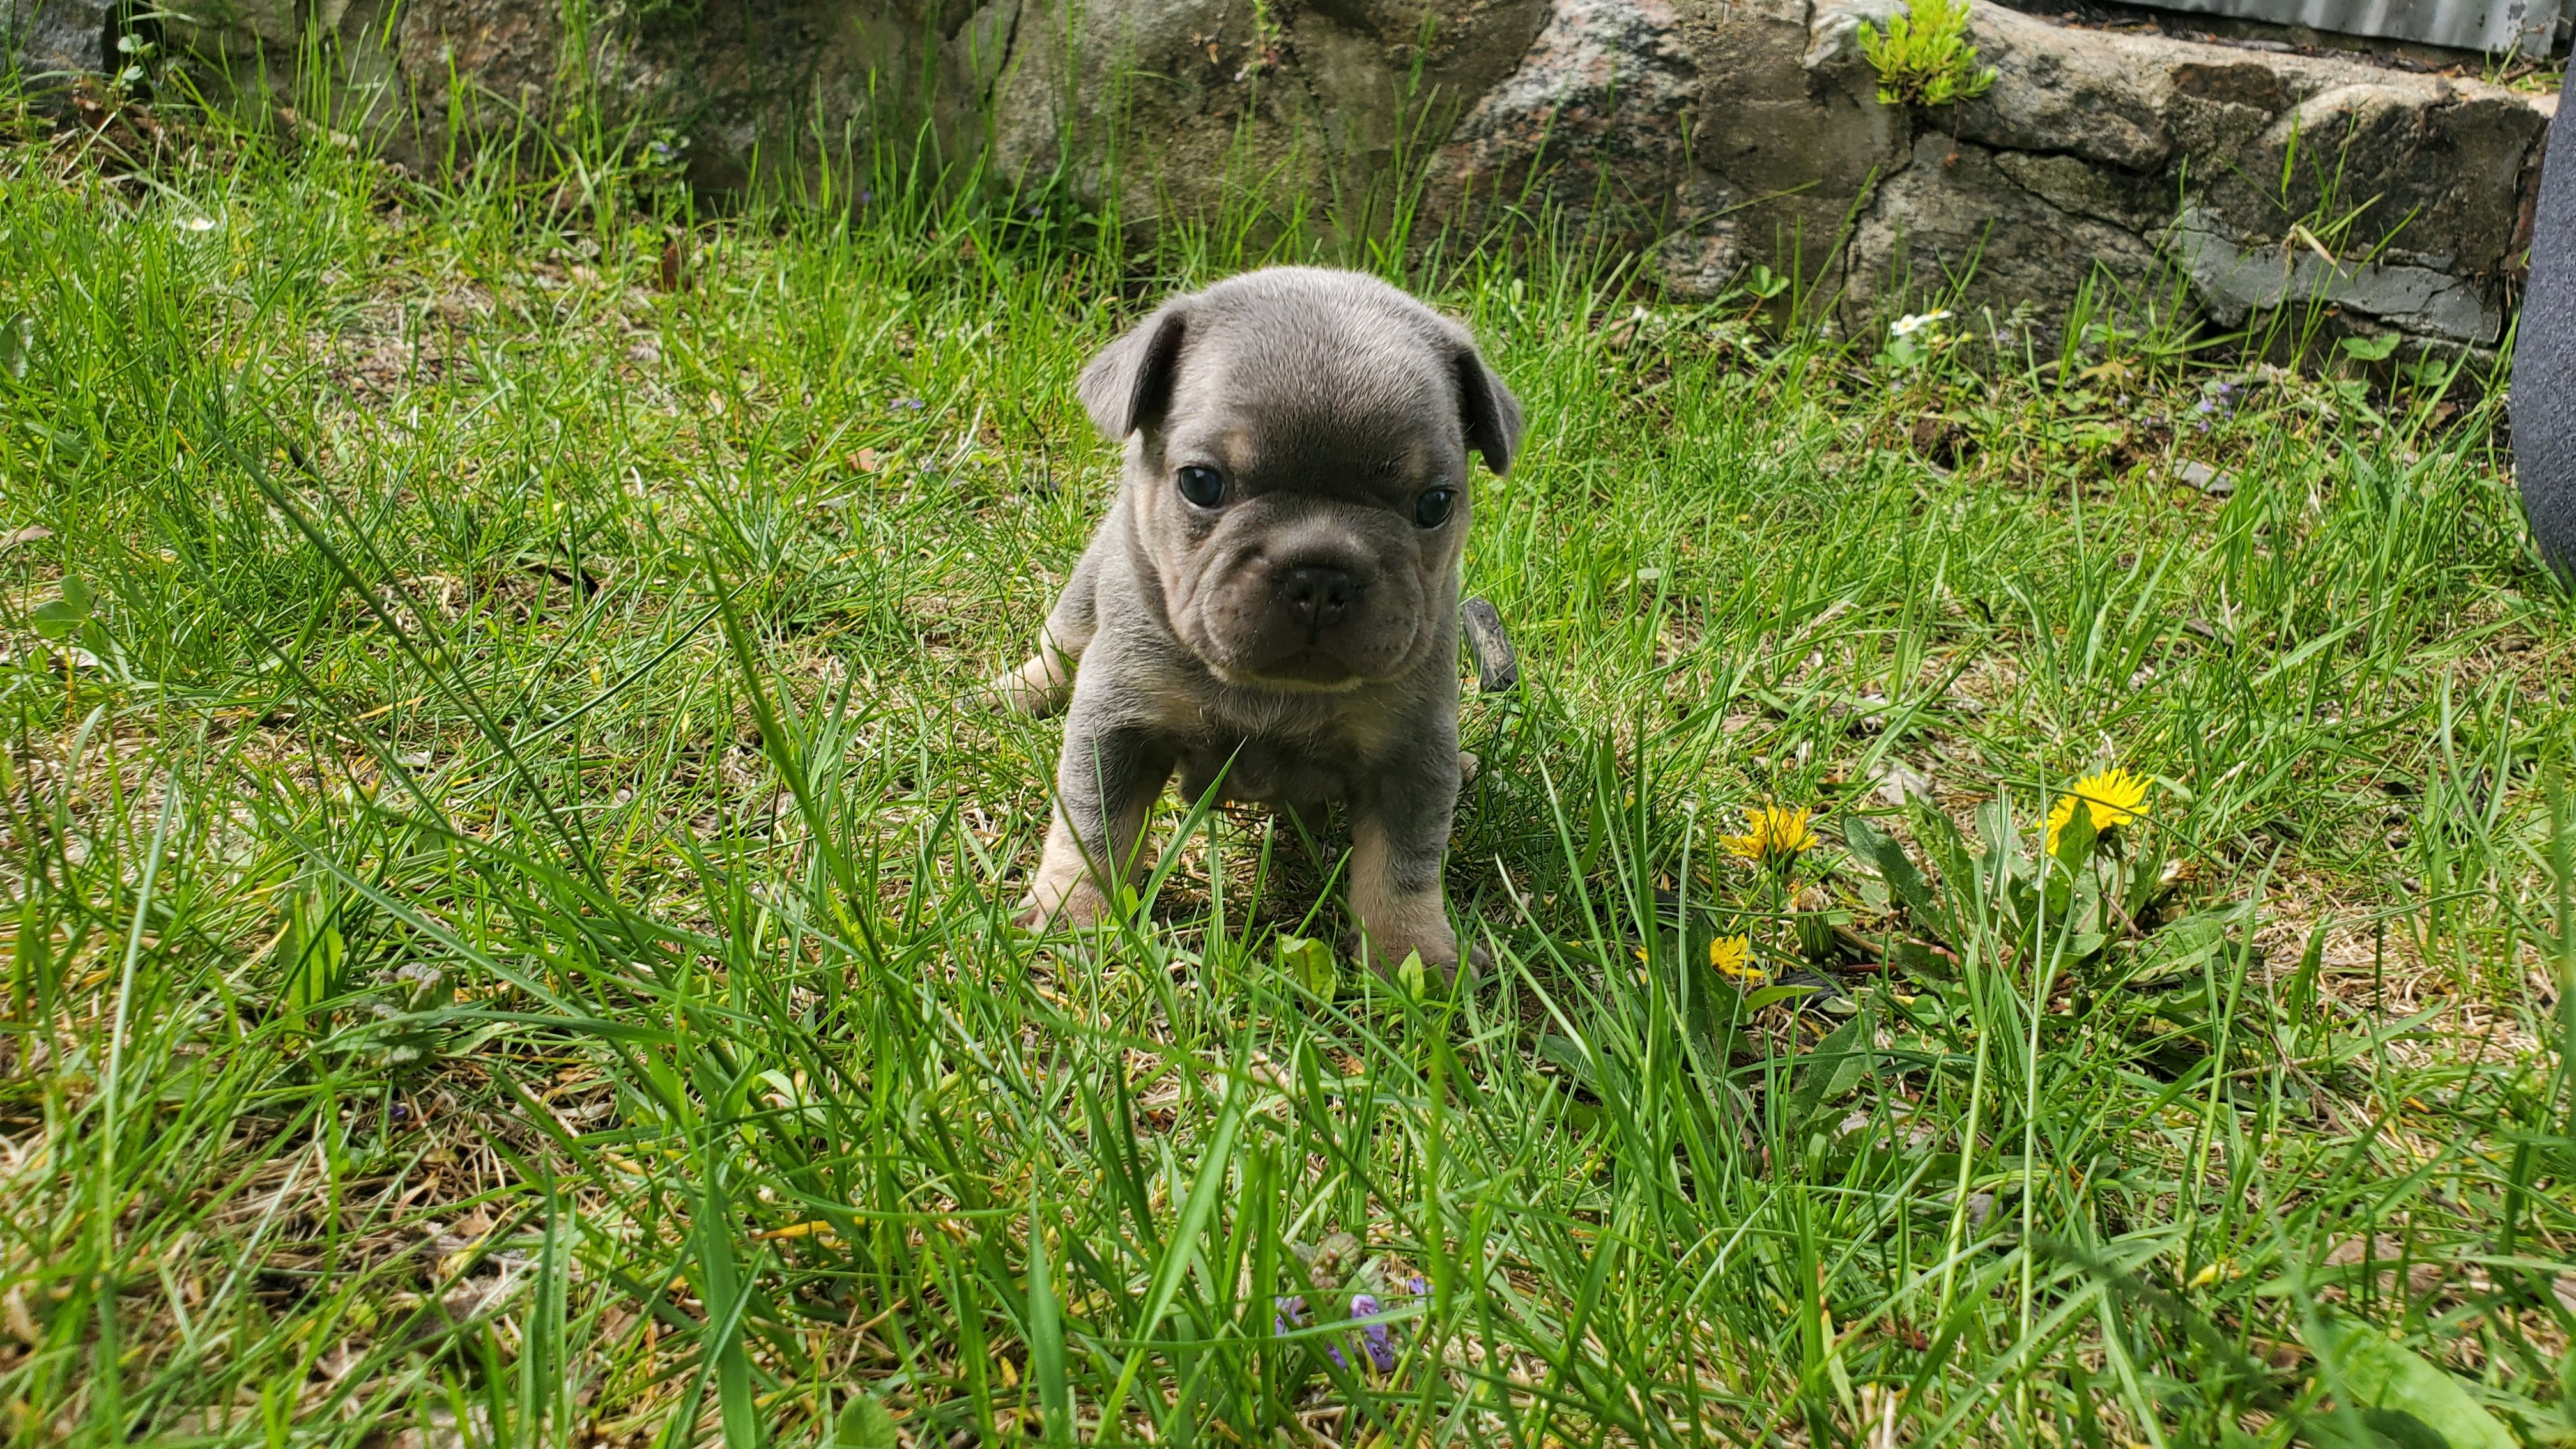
1955	214
1594	119
49	39
2074	92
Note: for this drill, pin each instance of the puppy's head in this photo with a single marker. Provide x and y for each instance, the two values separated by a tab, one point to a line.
1298	449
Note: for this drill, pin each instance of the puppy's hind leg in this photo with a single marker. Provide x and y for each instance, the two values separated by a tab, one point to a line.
1043	684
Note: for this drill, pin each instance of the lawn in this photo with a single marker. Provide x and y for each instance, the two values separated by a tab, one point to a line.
510	910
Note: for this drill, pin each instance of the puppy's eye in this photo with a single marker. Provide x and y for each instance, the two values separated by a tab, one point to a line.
1203	487
1432	509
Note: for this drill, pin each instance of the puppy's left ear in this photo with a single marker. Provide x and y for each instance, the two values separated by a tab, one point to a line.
1488	412
1129	385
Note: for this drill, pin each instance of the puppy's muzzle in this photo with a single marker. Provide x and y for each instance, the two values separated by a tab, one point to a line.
1318	616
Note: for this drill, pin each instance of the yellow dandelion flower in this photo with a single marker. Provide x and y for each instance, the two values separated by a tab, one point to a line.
1733	956
2114	797
1772	834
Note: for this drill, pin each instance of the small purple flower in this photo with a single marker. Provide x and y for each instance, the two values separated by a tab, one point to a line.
1377	1340
905	405
1373	1337
866	196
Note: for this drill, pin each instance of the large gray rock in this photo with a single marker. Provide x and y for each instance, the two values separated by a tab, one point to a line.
796	95
1959	212
2233	281
43	40
491	63
1592	124
1789	134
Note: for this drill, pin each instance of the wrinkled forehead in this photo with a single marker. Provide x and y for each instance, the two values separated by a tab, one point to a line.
1374	404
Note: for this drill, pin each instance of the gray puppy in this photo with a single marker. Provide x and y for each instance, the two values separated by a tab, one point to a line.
1272	604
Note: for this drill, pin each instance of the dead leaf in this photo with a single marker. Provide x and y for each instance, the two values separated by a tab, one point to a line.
1899	782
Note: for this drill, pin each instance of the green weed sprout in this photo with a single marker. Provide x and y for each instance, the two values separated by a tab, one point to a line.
1924	58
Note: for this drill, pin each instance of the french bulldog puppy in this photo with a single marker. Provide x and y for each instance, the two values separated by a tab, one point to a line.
1271	606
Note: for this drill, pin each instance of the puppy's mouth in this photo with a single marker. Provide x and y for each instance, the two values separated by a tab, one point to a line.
1308	671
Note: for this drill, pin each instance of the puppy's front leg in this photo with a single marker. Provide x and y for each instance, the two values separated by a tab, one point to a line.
1397	840
1106	784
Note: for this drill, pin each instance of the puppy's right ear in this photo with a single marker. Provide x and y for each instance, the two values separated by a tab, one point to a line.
1488	412
1129	384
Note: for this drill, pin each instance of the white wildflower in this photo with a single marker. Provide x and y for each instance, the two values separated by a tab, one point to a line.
1913	322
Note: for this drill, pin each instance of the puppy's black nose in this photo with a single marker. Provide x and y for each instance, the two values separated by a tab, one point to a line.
1320	594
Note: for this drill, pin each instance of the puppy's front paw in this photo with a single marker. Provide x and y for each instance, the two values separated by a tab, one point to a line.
1440	960
1063	895
1037	688
1422	929
1077	910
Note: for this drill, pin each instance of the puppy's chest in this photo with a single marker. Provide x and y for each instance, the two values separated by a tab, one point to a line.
1268	769
1270	748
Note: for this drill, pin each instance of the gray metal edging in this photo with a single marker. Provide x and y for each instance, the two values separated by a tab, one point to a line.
2492	26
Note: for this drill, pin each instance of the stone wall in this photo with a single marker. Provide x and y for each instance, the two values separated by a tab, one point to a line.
1712	136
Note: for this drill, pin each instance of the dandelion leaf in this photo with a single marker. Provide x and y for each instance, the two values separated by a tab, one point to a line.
865	1424
2401	1399
1833	1069
1883	854
1311	964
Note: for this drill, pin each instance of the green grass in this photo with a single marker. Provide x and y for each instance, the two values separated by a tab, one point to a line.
508	925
